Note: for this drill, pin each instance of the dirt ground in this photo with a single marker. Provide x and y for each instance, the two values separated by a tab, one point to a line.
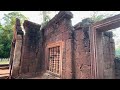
46	75
4	72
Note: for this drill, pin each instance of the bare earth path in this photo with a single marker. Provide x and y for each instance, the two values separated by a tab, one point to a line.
4	71
46	75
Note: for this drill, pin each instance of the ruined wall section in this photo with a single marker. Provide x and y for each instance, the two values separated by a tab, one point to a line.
82	50
117	68
30	49
108	55
15	57
59	29
82	60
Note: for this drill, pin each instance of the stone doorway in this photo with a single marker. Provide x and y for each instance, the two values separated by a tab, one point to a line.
97	48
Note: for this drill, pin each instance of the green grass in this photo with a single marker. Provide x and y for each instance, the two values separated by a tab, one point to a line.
4	62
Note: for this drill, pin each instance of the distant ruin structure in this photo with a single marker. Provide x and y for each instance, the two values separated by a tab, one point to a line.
62	51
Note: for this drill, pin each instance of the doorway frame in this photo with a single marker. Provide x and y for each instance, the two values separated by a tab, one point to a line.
96	30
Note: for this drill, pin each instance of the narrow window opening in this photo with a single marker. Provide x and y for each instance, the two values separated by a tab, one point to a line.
54	60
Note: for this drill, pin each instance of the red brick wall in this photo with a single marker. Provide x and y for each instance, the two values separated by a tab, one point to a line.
61	31
81	55
82	60
30	48
109	56
75	59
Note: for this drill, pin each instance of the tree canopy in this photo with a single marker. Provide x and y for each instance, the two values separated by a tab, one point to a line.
6	32
6	29
46	16
96	16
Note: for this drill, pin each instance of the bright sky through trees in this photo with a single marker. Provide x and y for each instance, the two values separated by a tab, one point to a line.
34	16
78	16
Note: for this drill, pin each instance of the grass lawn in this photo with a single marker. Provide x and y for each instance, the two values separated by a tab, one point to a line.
4	62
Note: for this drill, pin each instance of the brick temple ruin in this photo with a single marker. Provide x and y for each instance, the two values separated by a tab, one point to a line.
62	51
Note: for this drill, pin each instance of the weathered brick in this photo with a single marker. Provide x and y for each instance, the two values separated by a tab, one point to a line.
75	44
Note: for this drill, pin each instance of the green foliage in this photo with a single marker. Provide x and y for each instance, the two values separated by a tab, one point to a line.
46	21
117	52
1	29
10	19
6	32
5	42
46	17
98	17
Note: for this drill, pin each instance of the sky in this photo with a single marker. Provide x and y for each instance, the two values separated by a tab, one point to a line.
34	16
